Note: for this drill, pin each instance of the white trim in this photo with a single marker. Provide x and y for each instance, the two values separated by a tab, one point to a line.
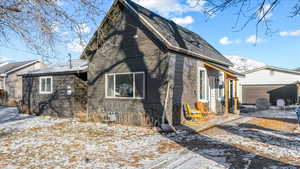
273	68
133	86
40	85
205	87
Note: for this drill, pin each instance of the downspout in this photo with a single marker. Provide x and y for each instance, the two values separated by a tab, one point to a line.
166	127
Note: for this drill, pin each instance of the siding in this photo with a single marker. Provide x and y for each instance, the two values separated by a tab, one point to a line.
271	77
59	103
13	83
252	93
128	47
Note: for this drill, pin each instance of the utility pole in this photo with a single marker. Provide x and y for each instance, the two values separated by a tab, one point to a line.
70	60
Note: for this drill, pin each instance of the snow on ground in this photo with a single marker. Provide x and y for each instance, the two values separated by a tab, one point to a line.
45	142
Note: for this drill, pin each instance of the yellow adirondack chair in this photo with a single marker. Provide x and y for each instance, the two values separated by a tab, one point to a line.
193	113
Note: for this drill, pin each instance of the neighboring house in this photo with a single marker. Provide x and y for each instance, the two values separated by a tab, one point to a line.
59	90
258	83
136	54
10	83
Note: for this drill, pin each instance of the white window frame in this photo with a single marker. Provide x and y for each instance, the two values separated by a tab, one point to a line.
223	78
127	73
51	86
205	85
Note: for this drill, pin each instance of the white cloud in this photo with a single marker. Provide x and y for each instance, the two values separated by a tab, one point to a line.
290	33
264	12
5	59
183	21
76	45
83	28
173	7
253	39
226	41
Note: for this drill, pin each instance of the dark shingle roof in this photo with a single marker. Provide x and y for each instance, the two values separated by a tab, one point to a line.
77	65
179	36
14	65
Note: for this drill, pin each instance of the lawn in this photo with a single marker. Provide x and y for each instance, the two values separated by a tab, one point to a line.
255	141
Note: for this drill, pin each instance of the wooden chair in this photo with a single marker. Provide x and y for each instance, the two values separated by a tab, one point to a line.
200	106
193	113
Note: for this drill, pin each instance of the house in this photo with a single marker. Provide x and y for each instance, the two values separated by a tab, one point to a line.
142	65
10	83
271	83
58	90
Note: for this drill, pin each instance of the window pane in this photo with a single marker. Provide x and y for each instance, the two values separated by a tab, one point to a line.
48	88
139	85
221	85
202	85
124	85
43	83
110	86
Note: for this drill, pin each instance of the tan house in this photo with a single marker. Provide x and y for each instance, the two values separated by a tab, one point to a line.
271	83
10	83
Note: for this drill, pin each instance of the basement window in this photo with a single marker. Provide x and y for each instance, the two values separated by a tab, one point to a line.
125	85
46	85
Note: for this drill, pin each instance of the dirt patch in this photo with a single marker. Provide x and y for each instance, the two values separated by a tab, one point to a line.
168	146
287	125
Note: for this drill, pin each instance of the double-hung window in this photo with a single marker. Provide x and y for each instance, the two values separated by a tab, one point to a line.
202	85
46	85
125	85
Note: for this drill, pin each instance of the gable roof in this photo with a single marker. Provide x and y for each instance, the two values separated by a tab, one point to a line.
77	65
274	68
175	37
15	66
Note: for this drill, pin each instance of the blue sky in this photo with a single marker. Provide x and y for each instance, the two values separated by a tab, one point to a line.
281	48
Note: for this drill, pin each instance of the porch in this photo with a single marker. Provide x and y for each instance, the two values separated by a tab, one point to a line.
222	98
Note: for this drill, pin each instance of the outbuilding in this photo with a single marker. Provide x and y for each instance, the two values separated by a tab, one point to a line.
59	90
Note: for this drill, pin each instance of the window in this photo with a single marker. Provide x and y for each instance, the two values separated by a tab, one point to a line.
46	85
221	85
125	85
202	85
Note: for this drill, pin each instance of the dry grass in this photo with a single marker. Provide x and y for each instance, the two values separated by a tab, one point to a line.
168	146
72	144
274	124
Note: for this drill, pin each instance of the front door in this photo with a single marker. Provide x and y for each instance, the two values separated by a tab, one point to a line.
212	94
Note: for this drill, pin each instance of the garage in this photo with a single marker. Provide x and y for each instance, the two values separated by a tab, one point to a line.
252	92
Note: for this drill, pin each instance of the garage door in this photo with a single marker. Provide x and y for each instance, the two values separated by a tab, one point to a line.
252	93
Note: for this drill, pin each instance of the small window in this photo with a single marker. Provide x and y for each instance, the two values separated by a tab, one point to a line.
125	85
202	85
46	85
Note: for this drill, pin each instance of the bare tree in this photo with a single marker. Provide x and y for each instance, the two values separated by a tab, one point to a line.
36	21
258	11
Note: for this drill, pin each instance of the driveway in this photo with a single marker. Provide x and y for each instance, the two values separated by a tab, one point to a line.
255	141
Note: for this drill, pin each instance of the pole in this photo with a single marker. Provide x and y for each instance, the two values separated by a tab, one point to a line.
70	60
